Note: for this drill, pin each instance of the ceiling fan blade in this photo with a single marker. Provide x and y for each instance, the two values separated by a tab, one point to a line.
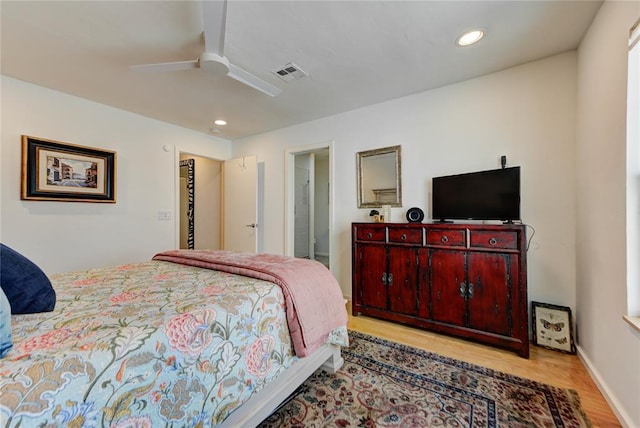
214	17
250	80
166	66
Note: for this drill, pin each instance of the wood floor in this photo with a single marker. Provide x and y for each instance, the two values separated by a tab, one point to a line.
546	366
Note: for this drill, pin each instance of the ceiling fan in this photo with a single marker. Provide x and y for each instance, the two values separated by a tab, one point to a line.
212	60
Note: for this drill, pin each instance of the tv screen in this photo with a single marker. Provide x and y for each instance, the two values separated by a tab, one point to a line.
482	195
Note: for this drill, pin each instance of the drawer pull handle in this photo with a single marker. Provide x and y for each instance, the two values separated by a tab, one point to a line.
369	235
384	278
493	241
403	237
463	290
444	239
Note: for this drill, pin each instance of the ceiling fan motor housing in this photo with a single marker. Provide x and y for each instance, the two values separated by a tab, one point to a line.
214	63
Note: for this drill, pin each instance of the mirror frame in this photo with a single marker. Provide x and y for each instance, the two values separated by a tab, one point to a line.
360	156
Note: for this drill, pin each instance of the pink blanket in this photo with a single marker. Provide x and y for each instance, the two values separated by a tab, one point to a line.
313	298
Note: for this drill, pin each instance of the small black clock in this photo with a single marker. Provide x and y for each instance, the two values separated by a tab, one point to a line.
415	215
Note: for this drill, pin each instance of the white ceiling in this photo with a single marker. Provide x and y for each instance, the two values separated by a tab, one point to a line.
356	53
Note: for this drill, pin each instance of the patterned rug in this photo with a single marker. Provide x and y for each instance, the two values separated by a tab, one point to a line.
385	384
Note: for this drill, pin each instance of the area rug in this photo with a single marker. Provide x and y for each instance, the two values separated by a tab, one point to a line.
386	384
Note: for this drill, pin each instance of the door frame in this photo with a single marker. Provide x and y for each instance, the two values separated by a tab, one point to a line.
289	202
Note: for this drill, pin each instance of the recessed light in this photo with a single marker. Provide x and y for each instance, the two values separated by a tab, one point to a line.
469	38
220	122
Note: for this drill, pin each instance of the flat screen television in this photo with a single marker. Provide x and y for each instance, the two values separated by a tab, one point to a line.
482	195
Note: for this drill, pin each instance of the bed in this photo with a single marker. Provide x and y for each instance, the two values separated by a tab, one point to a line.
190	338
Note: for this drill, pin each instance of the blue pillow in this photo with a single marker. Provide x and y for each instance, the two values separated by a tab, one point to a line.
5	325
25	284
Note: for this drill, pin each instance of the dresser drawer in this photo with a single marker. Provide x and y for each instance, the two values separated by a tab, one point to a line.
405	236
494	239
448	238
371	233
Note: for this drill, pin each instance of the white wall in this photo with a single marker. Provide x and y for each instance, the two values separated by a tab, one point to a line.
610	347
65	236
633	173
526	113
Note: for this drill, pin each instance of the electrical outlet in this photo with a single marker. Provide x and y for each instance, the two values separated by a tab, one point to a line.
165	215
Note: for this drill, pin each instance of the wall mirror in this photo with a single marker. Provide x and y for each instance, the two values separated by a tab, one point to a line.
379	177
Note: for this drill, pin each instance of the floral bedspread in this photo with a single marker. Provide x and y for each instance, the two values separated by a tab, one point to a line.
312	295
145	345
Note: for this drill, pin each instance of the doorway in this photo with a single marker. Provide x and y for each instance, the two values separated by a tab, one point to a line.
309	208
203	205
200	202
304	206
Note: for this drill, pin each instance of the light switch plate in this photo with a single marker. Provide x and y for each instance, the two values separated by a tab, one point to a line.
165	215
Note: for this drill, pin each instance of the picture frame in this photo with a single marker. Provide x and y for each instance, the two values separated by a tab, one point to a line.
552	327
58	171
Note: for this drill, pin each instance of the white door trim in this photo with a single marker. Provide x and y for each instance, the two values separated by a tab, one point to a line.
289	200
176	199
312	207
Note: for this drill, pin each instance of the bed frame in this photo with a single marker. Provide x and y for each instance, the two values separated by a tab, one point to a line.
266	401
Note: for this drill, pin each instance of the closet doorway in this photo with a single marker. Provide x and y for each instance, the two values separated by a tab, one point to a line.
200	202
309	210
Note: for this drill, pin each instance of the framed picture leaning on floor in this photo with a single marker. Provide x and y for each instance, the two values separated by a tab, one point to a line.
552	327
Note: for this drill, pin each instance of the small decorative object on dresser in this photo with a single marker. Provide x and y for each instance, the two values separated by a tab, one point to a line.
552	327
385	213
415	215
375	215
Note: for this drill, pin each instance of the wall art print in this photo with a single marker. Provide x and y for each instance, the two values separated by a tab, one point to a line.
187	170
57	171
552	327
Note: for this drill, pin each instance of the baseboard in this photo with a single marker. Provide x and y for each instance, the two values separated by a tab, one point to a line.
322	254
622	416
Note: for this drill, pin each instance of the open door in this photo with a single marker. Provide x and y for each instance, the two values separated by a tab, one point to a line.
240	213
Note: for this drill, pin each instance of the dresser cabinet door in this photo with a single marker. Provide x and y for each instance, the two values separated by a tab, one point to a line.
402	280
373	275
489	289
447	275
424	293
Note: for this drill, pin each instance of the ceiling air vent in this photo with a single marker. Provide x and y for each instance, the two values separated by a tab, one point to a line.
290	72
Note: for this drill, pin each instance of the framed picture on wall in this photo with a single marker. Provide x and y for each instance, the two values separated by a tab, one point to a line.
56	171
552	327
